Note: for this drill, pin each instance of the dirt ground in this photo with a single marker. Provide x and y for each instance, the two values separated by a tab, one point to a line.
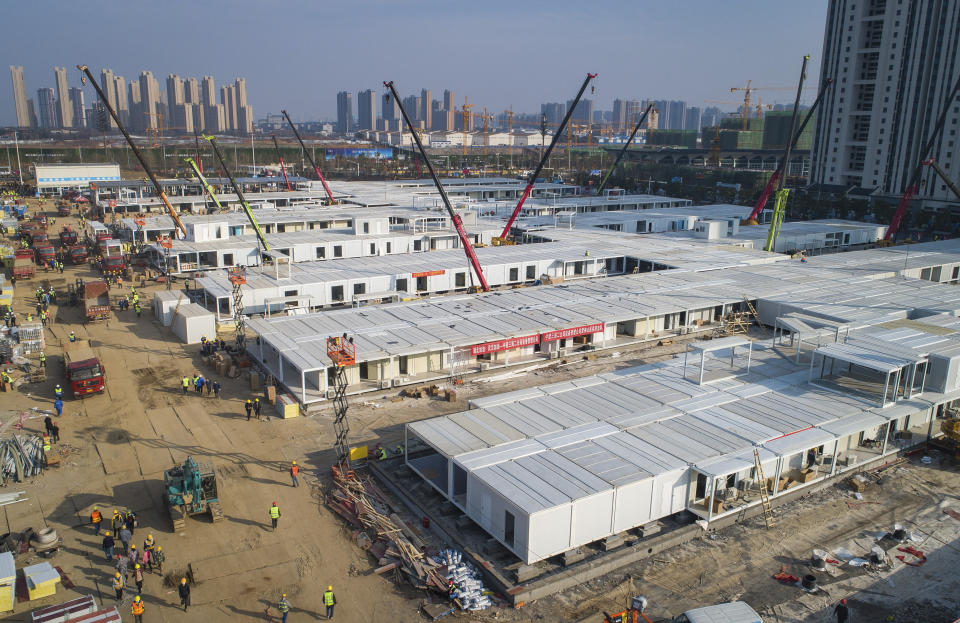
115	446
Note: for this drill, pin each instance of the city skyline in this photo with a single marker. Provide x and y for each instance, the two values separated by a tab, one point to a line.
524	69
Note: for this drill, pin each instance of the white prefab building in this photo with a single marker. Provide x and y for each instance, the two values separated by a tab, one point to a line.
548	469
56	178
192	322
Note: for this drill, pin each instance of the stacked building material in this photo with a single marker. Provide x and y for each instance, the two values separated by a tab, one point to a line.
21	456
31	337
466	578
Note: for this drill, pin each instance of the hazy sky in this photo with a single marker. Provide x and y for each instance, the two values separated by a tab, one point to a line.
296	54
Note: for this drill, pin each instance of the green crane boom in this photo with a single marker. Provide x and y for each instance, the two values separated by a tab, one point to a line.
236	189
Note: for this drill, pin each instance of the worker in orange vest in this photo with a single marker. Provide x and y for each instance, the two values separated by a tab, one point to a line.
137	609
294	473
96	519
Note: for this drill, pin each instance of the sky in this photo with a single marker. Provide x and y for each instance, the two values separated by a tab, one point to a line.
297	54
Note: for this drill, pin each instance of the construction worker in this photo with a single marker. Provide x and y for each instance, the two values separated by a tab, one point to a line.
118	585
185	383
248	406
8	379
138	578
256	407
157	558
196	380
43	361
148	543
29	317
200	383
329	600
274	515
295	473
73	336
138	309
117	522
842	612
43	317
58	405
125	538
96	519
184	591
133	554
382	454
107	545
216	389
55	432
46	443
58	391
284	607
137	609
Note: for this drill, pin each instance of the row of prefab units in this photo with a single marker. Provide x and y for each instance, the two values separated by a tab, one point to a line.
189	321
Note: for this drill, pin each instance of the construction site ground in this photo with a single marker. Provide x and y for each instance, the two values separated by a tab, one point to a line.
114	448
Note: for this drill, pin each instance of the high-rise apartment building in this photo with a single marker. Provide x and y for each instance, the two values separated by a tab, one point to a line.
583	112
20	97
64	108
108	82
123	106
244	124
367	110
344	112
449	100
150	105
893	64
46	108
553	111
426	108
214	115
692	119
228	98
391	108
76	100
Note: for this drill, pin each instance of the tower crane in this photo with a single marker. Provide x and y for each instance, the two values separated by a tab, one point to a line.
747	94
467	124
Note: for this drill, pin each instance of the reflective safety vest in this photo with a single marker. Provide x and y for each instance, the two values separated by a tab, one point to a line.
186	381
283	606
96	517
274	512
117	583
137	608
328	598
295	470
43	358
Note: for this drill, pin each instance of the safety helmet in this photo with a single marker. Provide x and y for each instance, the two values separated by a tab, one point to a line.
159	548
95	508
137	598
106	533
58	386
294	462
274	503
132	546
183	580
249	401
116	512
329	588
149	537
283	595
136	566
117	574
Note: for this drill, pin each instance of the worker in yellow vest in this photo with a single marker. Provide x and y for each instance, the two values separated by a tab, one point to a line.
329	600
274	515
118	585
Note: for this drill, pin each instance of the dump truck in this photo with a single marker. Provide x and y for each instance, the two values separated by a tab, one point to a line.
63	208
45	253
78	254
23	265
68	237
113	265
83	369
96	299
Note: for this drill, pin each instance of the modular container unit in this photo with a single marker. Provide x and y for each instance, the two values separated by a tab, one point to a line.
193	322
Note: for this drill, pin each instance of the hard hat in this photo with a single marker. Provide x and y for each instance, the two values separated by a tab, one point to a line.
136	566
106	533
137	598
843	601
329	588
116	512
294	462
274	503
248	401
283	595
117	574
132	546
159	548
95	508
183	580
149	537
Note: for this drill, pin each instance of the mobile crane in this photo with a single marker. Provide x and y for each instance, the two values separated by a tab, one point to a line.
133	147
313	162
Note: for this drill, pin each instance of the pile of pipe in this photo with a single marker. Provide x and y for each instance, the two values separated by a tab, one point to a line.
31	337
467	579
21	456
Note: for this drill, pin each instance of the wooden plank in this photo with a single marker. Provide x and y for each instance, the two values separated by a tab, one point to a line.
171	432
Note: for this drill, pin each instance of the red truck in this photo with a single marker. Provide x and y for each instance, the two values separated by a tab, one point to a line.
78	254
84	371
96	299
113	265
45	253
23	265
68	237
63	208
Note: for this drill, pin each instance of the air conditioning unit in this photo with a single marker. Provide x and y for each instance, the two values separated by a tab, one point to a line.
387	384
745	484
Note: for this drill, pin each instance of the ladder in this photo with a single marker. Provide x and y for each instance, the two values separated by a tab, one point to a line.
753	311
764	496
